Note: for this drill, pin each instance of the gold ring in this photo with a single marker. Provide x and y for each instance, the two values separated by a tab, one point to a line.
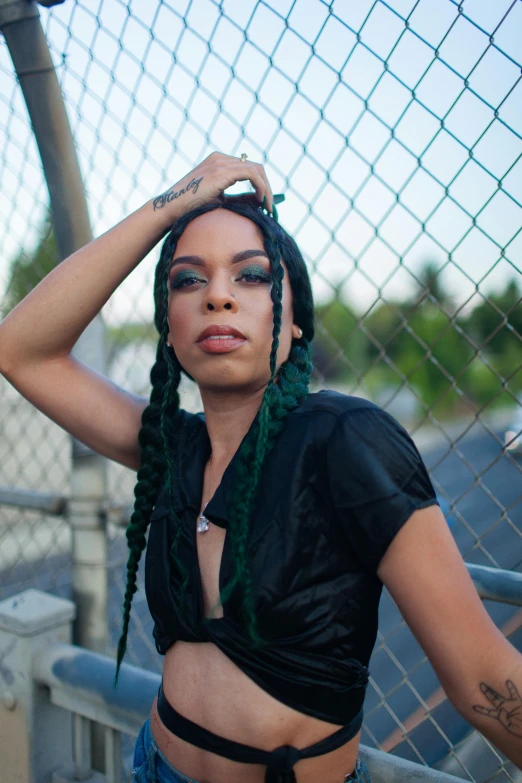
244	156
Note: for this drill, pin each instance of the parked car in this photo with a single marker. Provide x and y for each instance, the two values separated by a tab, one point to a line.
513	436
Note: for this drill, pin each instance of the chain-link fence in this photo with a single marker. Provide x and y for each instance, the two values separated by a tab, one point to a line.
395	131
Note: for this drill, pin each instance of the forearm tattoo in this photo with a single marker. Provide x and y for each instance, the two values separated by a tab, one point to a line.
171	194
507	710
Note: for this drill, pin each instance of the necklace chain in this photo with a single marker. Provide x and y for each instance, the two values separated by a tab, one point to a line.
203	523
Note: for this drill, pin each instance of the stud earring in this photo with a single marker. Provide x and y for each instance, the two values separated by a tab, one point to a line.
299	332
168	344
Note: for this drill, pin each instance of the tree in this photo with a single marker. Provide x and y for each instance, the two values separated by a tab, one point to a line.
422	339
495	326
27	271
431	285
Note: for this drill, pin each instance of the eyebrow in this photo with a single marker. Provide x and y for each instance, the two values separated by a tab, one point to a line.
198	261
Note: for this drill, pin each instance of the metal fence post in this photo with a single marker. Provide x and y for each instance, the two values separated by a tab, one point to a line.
20	25
35	735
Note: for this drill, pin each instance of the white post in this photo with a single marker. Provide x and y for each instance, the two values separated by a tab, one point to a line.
35	736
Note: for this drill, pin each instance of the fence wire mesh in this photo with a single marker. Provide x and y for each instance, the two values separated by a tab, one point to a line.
395	131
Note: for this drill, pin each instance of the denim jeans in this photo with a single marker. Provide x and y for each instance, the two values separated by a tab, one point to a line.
151	766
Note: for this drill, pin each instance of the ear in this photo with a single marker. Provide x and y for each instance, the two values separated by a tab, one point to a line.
297	332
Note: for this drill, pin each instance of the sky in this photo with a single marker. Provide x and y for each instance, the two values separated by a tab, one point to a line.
363	113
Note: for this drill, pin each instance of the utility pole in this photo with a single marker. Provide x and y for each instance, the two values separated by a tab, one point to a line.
25	39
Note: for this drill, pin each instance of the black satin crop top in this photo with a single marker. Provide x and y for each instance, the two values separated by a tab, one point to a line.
341	480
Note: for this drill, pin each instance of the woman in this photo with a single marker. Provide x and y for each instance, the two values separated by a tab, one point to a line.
265	606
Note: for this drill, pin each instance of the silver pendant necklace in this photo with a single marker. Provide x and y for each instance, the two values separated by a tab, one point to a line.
203	524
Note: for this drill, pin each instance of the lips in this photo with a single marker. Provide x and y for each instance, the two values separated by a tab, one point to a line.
220	339
218	330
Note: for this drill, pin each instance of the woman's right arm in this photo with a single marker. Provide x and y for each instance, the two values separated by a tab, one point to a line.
38	335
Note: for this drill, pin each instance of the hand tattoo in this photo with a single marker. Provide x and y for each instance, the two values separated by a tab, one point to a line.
170	194
506	709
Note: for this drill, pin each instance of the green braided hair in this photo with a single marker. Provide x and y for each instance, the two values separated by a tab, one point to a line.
159	432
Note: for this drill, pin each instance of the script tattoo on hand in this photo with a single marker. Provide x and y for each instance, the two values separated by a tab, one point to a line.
171	194
506	709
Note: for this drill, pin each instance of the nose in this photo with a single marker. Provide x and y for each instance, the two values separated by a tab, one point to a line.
218	296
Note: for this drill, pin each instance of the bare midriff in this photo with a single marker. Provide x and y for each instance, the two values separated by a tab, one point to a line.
204	685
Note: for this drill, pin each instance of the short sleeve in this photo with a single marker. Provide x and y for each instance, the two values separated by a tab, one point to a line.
377	480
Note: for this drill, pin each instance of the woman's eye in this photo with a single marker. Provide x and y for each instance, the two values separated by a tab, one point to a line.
250	276
179	282
254	276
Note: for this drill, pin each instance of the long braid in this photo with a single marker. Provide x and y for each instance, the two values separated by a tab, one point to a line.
278	400
149	477
253	450
169	432
276	294
246	489
155	460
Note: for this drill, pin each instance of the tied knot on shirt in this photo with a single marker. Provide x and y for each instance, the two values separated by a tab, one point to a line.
280	768
362	676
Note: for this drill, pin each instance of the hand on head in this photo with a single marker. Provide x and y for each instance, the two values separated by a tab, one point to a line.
208	181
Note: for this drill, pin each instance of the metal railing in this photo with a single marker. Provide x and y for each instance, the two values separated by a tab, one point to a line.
78	690
94	700
34	627
84	683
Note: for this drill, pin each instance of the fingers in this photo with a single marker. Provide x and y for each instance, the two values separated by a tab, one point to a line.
259	180
255	173
495	698
268	190
512	688
486	711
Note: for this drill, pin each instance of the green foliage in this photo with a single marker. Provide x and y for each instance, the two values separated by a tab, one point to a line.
338	345
27	271
451	361
129	332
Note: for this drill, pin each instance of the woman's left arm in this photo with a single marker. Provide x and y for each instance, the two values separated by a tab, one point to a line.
480	671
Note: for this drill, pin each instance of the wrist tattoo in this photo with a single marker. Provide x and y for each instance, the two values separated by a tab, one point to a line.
507	710
171	194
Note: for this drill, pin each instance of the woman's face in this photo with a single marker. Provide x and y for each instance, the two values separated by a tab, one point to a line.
220	275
